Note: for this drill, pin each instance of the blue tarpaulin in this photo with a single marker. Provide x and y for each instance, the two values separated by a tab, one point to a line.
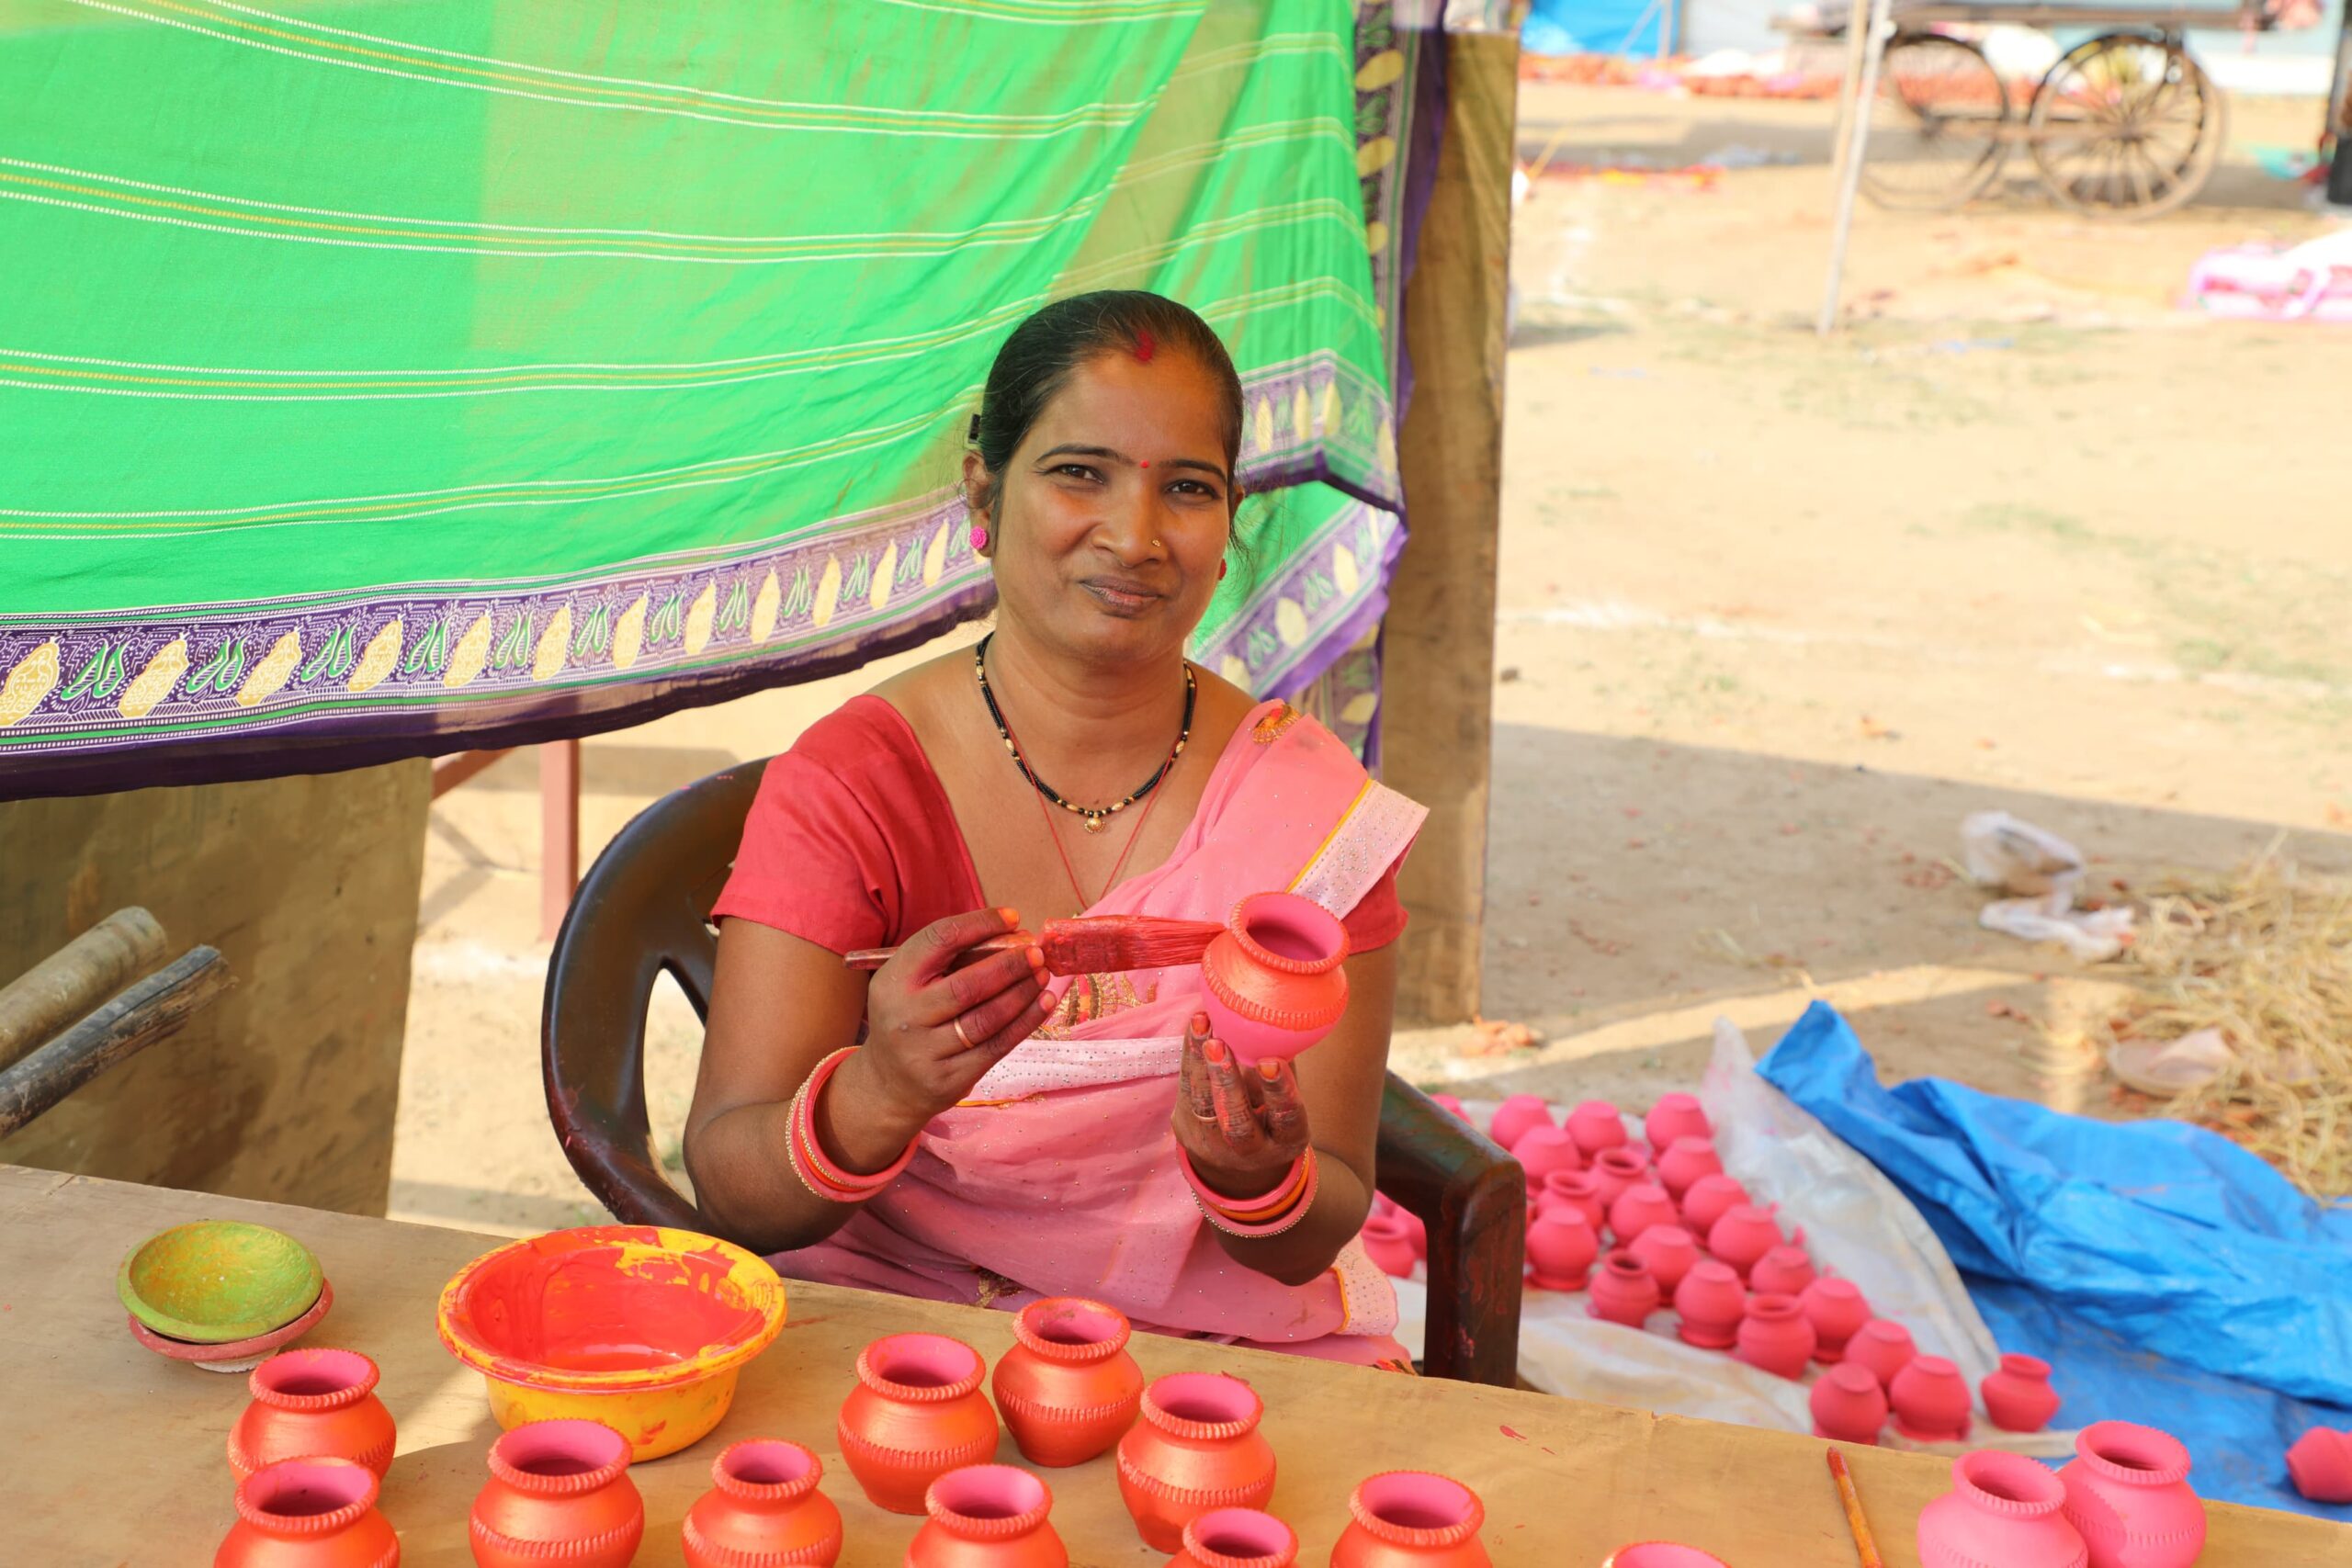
2169	1276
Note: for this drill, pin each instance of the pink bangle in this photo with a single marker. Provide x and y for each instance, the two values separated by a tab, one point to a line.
817	1173
1272	1214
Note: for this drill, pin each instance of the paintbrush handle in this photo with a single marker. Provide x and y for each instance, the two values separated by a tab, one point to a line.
1865	1547
875	957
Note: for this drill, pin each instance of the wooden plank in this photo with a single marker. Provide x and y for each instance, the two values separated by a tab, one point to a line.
75	978
1437	702
129	1471
151	1011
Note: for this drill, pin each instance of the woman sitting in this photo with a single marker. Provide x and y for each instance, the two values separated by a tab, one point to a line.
1001	1133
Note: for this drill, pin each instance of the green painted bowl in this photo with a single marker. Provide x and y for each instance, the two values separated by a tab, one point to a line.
216	1280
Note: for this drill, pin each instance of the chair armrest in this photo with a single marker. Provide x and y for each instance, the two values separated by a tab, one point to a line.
1473	1198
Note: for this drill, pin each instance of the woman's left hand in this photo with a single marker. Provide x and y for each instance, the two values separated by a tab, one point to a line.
1242	1126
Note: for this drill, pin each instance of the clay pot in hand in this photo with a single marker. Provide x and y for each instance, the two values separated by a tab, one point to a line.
560	1490
2002	1509
1197	1448
310	1404
1675	1117
1709	1199
2127	1492
1684	1162
763	1510
1409	1518
1931	1400
1388	1242
1783	1271
1775	1335
987	1516
1837	1310
2018	1396
1274	981
1636	1209
1541	1151
1596	1125
1067	1389
308	1513
2320	1464
1742	1236
1667	1252
1560	1249
916	1414
1618	1169
1883	1345
1847	1405
1578	1189
1237	1537
1711	1302
1515	1117
1622	1291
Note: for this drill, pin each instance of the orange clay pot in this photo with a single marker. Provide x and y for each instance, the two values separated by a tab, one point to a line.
987	1516
308	1513
916	1414
1197	1448
1237	1537
763	1510
1407	1518
1069	1390
309	1405
558	1490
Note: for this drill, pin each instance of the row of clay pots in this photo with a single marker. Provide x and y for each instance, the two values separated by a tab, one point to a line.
2122	1502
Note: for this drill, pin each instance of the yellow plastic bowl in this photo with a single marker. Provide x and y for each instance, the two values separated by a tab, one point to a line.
639	1326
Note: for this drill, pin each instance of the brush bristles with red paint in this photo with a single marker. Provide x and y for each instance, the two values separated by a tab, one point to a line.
1091	944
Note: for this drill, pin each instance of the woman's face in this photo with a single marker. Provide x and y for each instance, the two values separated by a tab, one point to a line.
1110	519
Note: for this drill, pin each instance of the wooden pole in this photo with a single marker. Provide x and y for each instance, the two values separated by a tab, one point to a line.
455	769
559	832
150	1010
1438	668
75	978
2339	117
1855	138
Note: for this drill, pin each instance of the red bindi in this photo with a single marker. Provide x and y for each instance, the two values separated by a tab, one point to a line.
1146	462
1144	346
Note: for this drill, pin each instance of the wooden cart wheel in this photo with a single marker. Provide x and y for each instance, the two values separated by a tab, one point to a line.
1939	125
2126	126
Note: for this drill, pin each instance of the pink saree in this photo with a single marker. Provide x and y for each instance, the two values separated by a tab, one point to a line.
1059	1175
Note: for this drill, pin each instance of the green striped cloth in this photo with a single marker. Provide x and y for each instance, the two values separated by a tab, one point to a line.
399	376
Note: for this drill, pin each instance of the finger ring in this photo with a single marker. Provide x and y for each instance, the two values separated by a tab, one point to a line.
966	1039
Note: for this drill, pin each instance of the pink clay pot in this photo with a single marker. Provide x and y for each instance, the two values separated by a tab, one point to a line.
1708	1200
1515	1117
1596	1125
1237	1537
1623	1292
1541	1151
1711	1302
1676	1116
1274	981
1618	1169
1775	1337
1384	1204
1639	1207
1409	1518
987	1516
1847	1405
763	1510
2320	1464
1662	1554
1783	1271
2003	1511
1667	1252
1388	1242
1684	1162
1560	1249
1743	1236
1931	1400
1580	1189
1451	1105
1883	1345
1836	1311
2018	1396
2127	1492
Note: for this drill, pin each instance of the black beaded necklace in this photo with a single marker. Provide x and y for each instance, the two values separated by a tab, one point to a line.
1095	816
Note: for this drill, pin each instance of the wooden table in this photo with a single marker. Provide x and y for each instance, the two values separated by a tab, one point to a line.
117	1455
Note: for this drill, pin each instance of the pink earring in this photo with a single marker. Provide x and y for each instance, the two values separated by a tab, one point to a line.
979	538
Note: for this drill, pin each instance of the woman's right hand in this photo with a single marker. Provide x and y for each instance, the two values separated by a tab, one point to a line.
933	1028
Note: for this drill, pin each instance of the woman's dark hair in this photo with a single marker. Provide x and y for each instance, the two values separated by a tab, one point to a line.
1042	352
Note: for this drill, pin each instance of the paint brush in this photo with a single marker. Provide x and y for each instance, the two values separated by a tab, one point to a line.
1864	1547
1091	944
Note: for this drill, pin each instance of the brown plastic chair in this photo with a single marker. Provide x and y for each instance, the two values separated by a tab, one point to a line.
644	908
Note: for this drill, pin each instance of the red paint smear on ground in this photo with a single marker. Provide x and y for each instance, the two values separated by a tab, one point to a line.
1514	1437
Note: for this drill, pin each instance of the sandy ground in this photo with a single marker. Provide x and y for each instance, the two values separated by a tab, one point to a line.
1776	613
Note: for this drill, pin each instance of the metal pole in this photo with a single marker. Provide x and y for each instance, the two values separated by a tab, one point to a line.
1857	141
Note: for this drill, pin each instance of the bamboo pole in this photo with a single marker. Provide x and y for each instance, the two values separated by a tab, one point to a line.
152	1009
1854	140
75	978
